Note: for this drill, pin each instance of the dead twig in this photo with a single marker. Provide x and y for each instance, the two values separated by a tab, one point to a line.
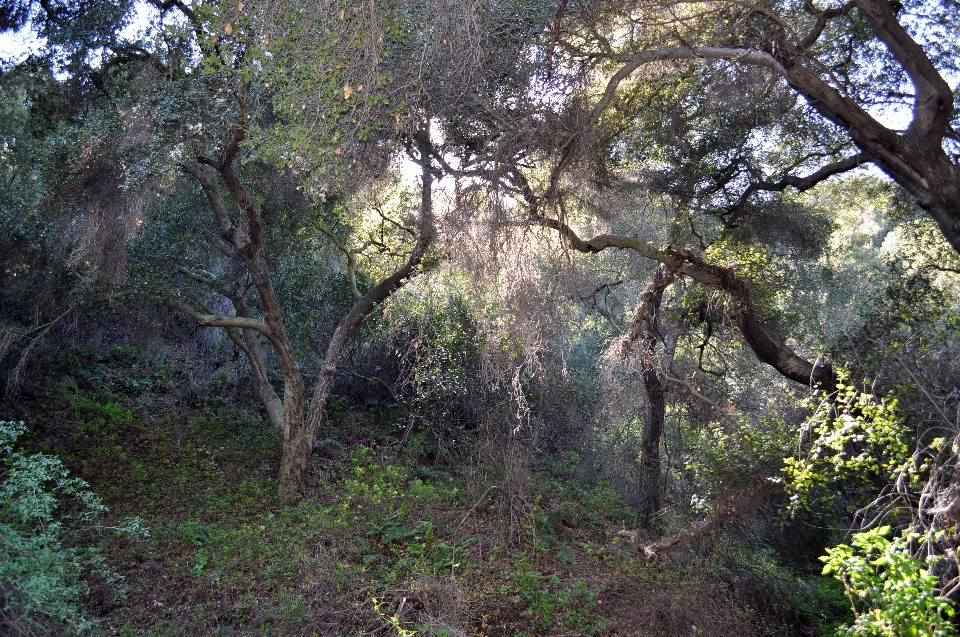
480	500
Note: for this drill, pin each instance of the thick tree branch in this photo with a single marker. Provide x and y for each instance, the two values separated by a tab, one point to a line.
869	134
215	320
802	184
768	347
649	299
933	103
229	232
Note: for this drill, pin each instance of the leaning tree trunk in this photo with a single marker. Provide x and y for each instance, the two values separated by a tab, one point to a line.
262	387
299	437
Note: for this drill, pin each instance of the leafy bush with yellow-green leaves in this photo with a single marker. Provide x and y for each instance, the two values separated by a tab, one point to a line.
853	439
891	592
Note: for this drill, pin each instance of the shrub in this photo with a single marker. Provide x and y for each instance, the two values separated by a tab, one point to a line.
890	591
854	441
43	515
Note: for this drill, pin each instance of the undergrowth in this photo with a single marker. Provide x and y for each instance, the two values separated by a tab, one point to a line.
384	542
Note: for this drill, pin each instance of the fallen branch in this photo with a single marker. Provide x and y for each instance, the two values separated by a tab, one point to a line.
727	509
476	504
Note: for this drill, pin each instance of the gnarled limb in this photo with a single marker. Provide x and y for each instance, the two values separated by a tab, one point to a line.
915	159
823	17
768	347
649	305
250	344
215	320
800	184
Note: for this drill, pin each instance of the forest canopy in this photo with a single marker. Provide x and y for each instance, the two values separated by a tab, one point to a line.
689	268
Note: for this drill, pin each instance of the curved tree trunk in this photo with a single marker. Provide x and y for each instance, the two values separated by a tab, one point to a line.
298	439
243	242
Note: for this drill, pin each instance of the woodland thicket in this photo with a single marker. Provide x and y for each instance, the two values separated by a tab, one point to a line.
466	317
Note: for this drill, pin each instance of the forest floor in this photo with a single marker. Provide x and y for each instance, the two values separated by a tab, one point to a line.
387	541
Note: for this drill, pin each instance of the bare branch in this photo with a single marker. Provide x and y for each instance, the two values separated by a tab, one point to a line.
694	390
374	380
800	184
214	320
8	336
395	223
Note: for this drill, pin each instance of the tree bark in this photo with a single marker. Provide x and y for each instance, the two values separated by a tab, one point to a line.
650	497
298	440
262	387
